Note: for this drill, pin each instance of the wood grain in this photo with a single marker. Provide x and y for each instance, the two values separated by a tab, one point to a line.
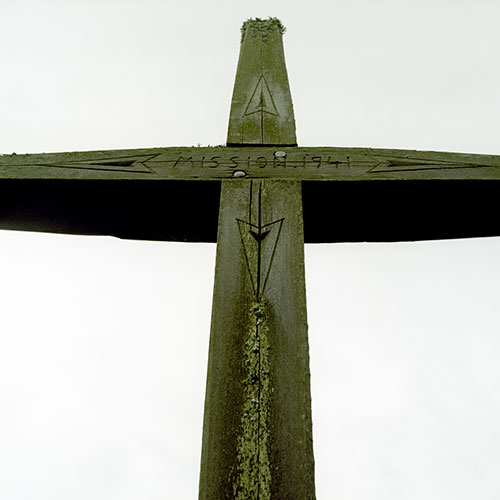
257	436
261	107
218	163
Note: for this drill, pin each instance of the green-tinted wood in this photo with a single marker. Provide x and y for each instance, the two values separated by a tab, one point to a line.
257	441
257	436
261	108
217	163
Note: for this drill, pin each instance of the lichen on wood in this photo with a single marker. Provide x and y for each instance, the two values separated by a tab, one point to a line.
262	27
252	479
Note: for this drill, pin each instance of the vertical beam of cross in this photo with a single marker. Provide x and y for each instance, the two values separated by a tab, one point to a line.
261	107
257	435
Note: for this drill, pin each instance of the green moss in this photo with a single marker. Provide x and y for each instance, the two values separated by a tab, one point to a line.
262	27
252	479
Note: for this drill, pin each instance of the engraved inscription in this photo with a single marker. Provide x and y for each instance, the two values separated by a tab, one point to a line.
371	164
259	162
279	161
317	159
181	159
214	162
262	162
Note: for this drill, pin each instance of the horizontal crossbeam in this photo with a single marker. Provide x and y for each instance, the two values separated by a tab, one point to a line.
284	163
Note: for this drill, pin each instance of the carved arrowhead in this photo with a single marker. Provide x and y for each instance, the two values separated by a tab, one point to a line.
416	164
261	107
259	235
259	245
261	100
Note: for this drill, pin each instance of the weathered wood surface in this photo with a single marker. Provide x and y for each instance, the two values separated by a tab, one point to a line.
261	107
218	163
257	435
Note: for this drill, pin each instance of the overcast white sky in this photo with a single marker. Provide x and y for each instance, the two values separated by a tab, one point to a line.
103	342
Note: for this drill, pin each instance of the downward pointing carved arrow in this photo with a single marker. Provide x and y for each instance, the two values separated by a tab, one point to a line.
259	244
259	241
259	235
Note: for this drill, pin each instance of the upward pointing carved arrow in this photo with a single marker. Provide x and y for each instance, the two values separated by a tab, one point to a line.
261	100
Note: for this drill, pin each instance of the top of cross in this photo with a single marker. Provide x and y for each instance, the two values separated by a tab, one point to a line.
262	27
261	107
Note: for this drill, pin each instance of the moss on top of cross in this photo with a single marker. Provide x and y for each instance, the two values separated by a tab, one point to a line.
262	27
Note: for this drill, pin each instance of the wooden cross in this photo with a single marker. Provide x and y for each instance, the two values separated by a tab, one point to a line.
248	196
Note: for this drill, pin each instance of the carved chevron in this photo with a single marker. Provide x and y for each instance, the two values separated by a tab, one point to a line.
415	164
115	164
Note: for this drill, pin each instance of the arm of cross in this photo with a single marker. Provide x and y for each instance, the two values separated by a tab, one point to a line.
277	162
165	193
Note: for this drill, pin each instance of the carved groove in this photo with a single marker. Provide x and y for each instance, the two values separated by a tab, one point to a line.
259	243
